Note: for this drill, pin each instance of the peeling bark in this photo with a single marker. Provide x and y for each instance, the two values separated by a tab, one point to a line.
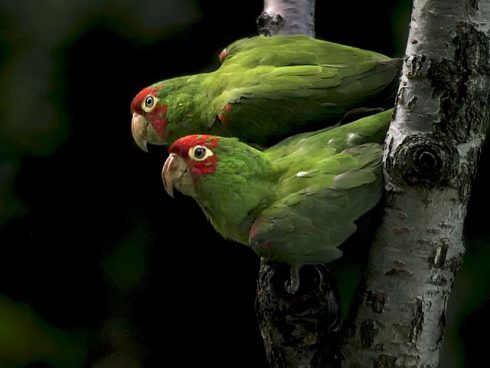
287	17
430	160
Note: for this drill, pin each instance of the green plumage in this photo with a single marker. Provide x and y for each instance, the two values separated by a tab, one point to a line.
269	88
297	201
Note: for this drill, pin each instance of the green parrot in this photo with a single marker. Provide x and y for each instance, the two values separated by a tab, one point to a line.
266	89
294	202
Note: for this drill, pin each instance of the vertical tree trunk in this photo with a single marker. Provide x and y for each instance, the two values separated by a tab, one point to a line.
430	161
299	329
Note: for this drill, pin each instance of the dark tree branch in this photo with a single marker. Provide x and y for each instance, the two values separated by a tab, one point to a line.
300	329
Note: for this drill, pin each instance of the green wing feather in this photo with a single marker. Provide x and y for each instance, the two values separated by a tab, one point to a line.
321	196
287	50
323	78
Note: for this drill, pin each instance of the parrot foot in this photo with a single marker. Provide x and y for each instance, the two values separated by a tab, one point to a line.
292	286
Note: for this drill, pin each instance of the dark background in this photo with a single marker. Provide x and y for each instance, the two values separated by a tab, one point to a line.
98	266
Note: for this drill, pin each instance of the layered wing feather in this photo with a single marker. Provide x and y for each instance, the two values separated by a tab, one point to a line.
283	50
249	91
321	195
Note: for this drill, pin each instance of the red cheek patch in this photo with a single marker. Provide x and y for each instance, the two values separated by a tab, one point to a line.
158	118
205	167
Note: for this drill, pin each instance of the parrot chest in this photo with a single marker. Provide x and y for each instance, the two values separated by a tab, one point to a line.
234	207
233	225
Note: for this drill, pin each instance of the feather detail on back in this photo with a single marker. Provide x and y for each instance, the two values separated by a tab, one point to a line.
296	78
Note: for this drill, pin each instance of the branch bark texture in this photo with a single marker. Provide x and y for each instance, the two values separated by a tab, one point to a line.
282	17
431	155
301	329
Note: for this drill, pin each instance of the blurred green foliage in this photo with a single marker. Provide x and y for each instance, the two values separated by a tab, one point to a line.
126	266
26	338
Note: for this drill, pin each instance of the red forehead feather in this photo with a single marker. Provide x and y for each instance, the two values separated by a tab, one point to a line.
138	99
182	145
197	169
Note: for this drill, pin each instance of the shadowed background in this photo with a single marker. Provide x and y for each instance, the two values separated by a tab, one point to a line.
98	266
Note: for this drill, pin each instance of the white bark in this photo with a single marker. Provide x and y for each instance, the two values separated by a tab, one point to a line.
430	161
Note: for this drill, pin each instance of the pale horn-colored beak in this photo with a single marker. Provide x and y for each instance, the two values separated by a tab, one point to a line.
139	126
175	175
168	173
144	133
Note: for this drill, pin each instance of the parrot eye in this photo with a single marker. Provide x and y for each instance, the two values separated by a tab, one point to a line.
149	103
200	153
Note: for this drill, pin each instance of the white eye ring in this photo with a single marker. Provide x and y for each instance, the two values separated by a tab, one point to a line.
149	103
200	153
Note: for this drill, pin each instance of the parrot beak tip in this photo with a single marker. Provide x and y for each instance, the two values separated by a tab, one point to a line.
167	175
143	145
138	129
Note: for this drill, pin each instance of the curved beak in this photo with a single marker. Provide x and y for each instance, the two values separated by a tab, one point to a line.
175	174
139	126
143	132
170	173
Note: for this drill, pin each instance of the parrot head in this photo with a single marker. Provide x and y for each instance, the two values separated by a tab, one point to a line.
166	111
228	178
195	160
190	158
149	121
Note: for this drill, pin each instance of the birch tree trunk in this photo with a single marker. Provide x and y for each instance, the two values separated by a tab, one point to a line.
430	160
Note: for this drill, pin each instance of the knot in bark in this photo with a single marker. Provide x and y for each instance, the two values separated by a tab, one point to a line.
268	24
428	161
